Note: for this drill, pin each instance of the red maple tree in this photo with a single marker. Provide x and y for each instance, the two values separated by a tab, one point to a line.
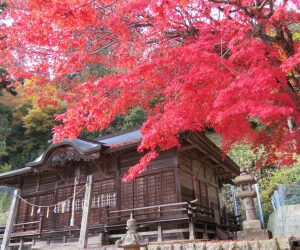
228	65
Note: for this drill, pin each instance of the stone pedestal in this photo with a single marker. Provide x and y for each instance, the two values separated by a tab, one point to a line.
252	231
253	234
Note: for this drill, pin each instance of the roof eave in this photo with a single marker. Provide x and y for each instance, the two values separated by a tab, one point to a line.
15	173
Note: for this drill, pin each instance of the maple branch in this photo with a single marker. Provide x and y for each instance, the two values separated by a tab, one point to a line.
182	16
100	38
284	40
109	44
2	6
226	2
139	25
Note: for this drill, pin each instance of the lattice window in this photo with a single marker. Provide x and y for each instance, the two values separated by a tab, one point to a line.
103	200
63	207
98	201
57	209
112	200
109	199
77	204
94	202
68	206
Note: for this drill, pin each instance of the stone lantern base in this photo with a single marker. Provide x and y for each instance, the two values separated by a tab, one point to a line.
252	231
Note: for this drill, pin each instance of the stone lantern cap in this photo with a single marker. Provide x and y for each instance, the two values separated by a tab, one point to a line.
244	178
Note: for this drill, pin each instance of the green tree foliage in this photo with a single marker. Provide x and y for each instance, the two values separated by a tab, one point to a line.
4	205
268	177
270	183
295	28
28	128
4	197
31	131
24	132
5	129
134	119
5	168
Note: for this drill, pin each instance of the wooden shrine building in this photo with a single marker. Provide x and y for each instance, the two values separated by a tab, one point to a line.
178	197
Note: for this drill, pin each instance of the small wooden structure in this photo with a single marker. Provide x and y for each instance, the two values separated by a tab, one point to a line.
177	197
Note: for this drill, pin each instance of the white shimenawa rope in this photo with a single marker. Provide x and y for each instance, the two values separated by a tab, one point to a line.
54	205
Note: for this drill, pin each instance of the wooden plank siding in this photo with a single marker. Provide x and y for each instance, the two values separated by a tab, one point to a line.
197	179
156	186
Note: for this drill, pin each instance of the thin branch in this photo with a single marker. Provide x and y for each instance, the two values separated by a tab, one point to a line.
111	43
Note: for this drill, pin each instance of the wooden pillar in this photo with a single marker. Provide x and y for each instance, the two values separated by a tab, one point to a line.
72	220
21	243
191	230
11	219
159	228
40	224
205	236
159	233
191	223
84	230
177	177
33	242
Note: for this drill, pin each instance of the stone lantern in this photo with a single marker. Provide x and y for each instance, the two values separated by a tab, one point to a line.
251	226
132	240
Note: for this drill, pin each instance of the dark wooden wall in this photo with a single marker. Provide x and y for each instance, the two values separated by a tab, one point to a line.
159	185
198	179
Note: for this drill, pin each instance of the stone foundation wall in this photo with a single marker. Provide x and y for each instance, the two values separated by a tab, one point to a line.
273	244
285	221
283	244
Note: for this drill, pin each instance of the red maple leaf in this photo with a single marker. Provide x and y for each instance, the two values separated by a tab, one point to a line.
216	63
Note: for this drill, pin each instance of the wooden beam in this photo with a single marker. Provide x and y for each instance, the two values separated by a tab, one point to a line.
205	236
21	244
191	224
186	148
191	231
38	184
11	219
177	177
159	233
72	220
84	230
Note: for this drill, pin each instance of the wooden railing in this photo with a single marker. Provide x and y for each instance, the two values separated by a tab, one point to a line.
229	221
234	221
33	227
160	213
151	213
183	213
201	212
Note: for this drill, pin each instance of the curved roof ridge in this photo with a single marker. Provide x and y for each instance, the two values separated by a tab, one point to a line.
83	147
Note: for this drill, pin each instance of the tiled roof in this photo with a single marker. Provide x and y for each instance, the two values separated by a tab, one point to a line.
121	139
